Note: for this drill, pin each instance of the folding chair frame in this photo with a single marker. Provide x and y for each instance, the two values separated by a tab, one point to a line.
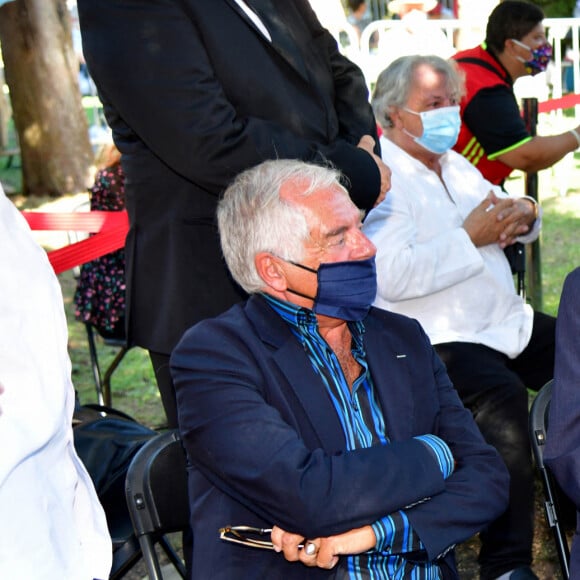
103	383
538	428
157	497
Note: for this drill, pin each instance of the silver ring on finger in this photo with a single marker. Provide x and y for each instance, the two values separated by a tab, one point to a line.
310	549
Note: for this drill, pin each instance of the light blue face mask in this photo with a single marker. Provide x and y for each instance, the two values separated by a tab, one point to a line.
440	128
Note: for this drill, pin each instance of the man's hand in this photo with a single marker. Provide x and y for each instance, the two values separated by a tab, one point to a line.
323	552
368	144
499	220
290	545
517	219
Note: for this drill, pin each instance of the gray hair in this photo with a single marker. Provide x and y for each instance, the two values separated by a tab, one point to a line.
252	218
395	82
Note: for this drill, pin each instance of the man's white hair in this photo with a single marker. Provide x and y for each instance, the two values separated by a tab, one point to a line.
252	218
395	83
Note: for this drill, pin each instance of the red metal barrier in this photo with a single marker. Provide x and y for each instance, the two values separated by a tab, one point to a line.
566	102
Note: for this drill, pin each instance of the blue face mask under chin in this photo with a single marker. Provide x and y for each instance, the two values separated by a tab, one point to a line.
346	290
440	128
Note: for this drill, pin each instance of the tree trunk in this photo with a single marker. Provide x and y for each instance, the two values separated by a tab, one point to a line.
42	74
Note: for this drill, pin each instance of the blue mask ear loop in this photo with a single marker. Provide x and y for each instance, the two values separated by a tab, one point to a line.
308	270
302	266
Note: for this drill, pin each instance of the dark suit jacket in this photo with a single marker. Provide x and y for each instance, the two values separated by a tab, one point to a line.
562	453
195	94
268	448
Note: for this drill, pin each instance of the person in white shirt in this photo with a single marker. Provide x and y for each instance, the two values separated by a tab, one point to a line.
52	526
440	236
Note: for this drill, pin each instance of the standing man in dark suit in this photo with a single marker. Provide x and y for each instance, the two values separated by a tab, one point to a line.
562	454
307	411
195	92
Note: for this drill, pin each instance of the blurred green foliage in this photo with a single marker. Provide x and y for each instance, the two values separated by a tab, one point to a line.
557	8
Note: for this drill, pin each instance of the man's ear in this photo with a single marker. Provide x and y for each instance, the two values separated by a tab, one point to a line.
395	117
510	47
271	271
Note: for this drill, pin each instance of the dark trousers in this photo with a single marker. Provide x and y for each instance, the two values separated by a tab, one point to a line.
167	391
160	364
494	388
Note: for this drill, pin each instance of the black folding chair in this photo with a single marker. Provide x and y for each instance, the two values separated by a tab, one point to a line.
156	493
556	504
516	256
103	381
106	440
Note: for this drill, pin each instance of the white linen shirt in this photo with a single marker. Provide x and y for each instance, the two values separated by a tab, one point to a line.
52	526
427	266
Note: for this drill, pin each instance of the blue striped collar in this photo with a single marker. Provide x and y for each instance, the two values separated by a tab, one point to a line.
302	320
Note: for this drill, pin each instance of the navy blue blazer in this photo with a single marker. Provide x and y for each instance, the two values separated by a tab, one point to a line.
562	453
266	445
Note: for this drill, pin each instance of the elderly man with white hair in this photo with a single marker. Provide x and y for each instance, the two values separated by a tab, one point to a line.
316	425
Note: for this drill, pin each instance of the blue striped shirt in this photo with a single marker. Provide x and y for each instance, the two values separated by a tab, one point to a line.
399	553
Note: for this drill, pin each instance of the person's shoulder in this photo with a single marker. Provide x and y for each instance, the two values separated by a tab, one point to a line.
461	162
490	107
480	69
390	150
391	322
465	52
242	320
394	330
495	94
572	281
574	275
211	329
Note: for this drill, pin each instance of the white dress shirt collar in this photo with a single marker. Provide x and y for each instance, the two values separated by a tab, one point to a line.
254	18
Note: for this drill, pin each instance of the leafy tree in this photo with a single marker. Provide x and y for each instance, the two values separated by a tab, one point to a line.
557	8
41	72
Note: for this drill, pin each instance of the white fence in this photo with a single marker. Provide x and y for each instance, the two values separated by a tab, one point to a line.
375	51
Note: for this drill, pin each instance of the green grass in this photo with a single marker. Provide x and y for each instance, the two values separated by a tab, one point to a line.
560	245
11	168
11	174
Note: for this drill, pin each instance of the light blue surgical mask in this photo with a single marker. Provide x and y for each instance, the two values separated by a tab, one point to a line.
440	128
